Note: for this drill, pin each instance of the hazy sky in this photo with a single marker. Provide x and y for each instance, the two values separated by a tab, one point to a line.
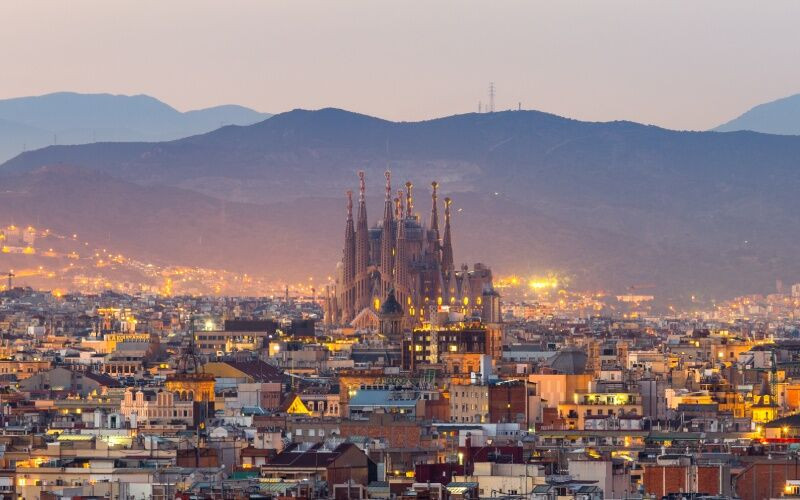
680	64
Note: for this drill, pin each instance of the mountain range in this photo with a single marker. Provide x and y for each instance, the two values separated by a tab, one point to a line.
28	123
781	116
609	205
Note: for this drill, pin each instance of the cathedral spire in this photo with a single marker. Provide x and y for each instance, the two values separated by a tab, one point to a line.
409	199
434	245
400	263
402	212
447	243
435	209
387	238
362	246
388	207
349	260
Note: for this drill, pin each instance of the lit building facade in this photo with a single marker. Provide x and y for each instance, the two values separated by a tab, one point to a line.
192	385
457	345
593	404
149	407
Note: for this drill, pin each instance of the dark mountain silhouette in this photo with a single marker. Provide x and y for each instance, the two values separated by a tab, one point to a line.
282	240
71	118
613	204
781	116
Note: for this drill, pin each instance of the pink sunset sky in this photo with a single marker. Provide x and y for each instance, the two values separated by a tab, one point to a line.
678	64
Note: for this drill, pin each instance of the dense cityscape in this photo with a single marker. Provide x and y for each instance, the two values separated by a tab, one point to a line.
405	377
417	250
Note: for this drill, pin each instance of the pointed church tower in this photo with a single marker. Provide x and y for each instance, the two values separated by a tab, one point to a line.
435	220
447	243
409	200
362	248
398	206
434	245
400	259
387	239
349	264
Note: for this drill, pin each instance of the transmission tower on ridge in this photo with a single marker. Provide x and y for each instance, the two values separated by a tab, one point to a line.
491	97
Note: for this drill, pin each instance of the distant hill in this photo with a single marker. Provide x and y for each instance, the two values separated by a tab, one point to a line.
610	204
69	118
291	240
781	116
160	224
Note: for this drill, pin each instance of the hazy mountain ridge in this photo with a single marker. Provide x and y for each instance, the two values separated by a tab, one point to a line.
72	118
292	240
781	116
613	204
169	225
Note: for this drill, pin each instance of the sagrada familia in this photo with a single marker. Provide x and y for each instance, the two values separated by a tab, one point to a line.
403	259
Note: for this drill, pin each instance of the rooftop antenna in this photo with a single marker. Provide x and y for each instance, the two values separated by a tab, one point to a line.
491	97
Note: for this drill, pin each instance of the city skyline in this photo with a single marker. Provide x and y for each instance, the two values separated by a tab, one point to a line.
425	253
